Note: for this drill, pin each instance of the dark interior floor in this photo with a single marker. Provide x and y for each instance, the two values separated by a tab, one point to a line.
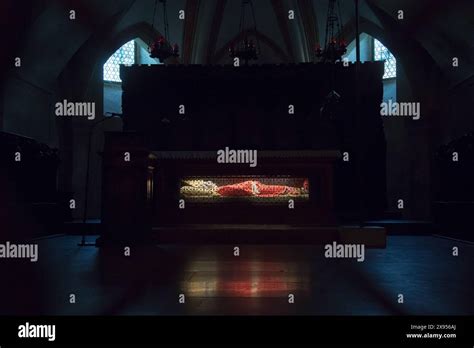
214	281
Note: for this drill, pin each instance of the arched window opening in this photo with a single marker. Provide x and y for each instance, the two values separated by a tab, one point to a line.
124	55
132	52
382	53
372	49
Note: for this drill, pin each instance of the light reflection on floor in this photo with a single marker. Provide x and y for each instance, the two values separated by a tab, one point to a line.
252	279
257	282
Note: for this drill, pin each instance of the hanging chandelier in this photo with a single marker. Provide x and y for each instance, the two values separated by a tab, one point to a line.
161	47
334	46
246	49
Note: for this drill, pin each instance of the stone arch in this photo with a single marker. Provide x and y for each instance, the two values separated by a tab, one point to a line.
407	179
86	69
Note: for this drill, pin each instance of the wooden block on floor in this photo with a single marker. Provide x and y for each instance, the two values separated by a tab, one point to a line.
370	236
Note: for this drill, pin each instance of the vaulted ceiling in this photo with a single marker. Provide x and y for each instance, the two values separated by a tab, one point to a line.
48	40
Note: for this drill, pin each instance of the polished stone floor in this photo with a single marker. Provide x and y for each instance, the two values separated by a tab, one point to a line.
258	282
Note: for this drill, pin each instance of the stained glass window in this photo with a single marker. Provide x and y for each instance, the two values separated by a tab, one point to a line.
124	55
382	53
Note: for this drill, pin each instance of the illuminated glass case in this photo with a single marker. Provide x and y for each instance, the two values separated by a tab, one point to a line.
244	188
